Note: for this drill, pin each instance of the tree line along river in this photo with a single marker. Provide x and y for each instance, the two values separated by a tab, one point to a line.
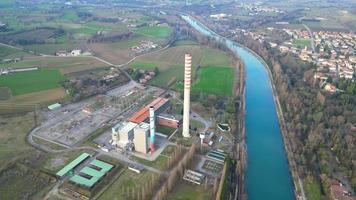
268	176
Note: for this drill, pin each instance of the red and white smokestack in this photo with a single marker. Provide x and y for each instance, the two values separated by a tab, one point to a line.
187	82
152	129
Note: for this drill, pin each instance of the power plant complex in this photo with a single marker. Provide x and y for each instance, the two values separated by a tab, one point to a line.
138	133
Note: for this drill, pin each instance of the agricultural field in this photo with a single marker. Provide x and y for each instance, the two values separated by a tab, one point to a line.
11	53
170	62
43	97
339	20
215	80
66	65
32	81
155	31
120	52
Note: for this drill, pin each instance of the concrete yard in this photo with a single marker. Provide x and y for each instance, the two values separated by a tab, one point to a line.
69	125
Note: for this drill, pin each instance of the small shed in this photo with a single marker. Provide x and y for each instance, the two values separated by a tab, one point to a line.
54	106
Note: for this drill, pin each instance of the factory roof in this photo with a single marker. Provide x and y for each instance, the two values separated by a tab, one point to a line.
84	181
73	164
92	172
54	106
170	117
143	114
143	126
124	126
105	167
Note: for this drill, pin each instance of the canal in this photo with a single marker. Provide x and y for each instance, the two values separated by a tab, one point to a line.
268	176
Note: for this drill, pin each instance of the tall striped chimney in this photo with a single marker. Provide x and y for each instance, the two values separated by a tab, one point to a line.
152	129
187	82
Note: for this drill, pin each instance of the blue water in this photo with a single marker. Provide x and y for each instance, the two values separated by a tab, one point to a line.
268	176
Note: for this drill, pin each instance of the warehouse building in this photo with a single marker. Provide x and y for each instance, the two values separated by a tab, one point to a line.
159	105
90	175
173	121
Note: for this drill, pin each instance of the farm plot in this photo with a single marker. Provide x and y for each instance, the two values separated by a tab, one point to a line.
171	61
10	53
66	65
155	31
32	81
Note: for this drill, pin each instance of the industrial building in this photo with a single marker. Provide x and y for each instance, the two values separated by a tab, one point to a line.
126	133
173	121
140	140
90	175
122	133
70	167
160	104
194	177
217	156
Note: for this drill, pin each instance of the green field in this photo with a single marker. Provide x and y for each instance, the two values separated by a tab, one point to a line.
301	43
127	181
215	80
10	53
313	191
33	81
170	62
65	64
12	137
159	163
156	31
187	191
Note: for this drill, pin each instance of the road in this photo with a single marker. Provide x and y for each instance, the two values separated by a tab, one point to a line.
193	115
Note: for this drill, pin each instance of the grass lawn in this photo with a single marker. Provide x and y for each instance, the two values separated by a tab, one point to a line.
155	32
127	181
187	191
12	137
159	163
165	130
168	151
9	53
313	191
215	57
143	65
301	43
215	80
32	81
51	49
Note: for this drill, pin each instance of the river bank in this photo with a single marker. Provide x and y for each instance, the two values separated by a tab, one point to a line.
298	191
